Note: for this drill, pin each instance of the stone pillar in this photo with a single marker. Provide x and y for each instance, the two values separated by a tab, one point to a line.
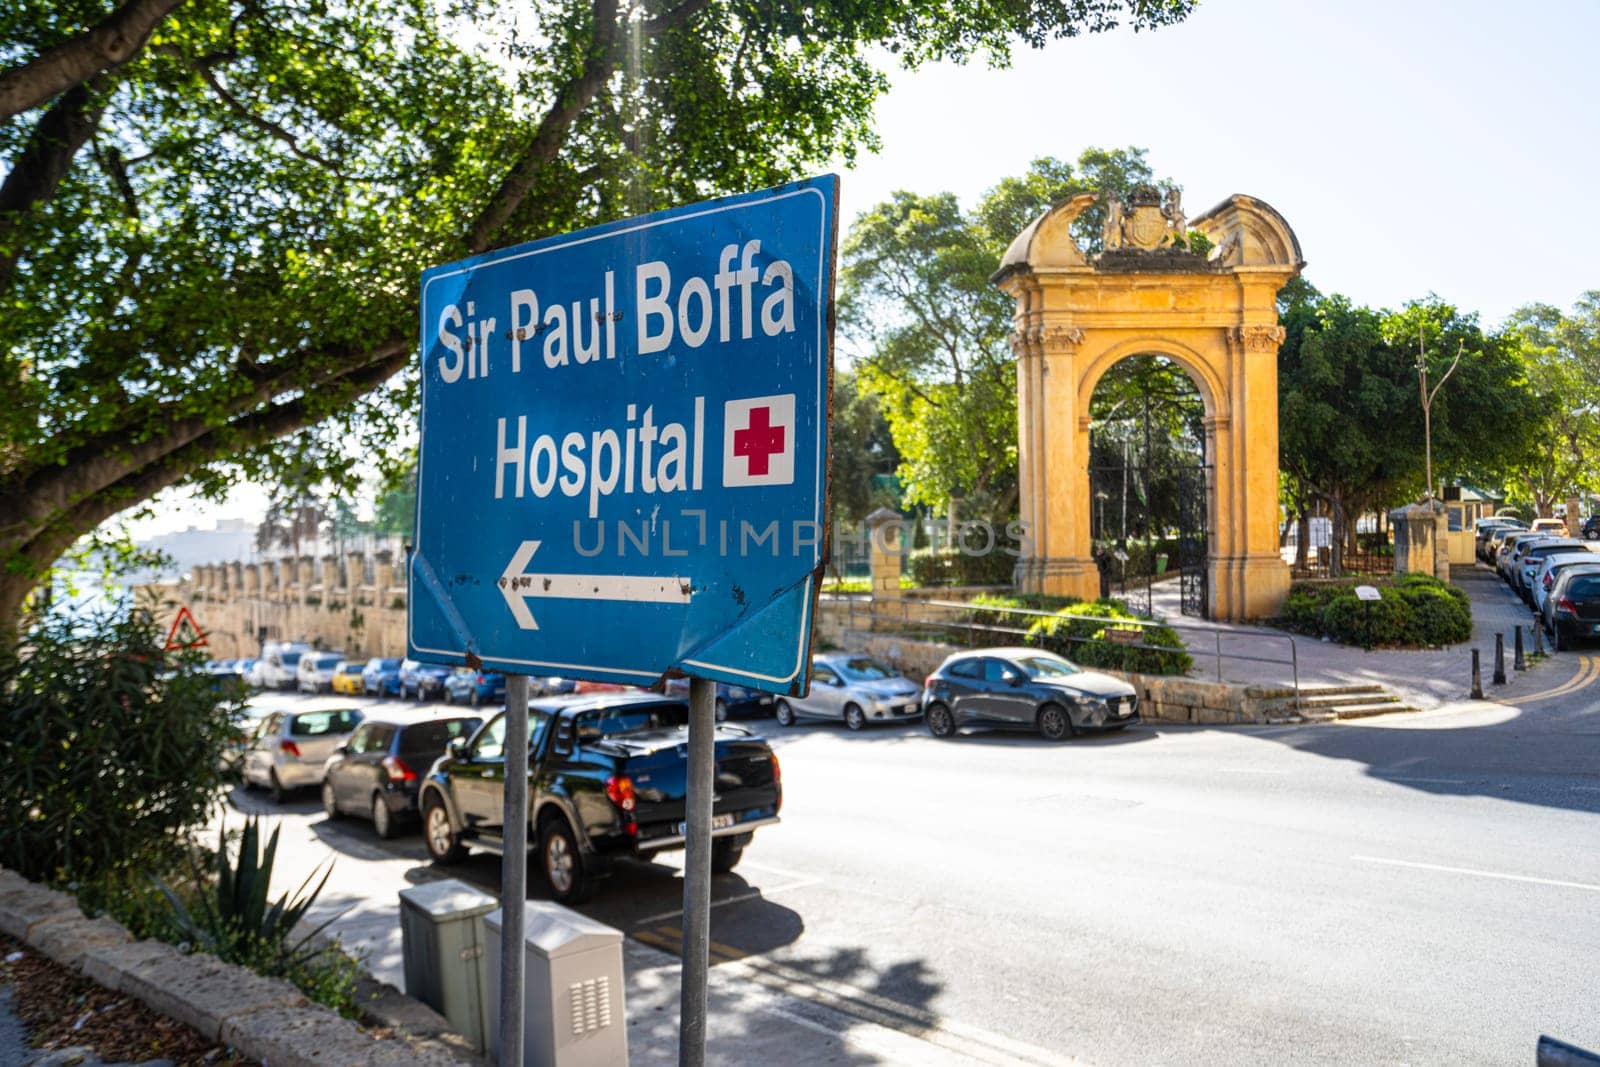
303	574
1421	544
252	580
885	536
235	580
332	584
1574	517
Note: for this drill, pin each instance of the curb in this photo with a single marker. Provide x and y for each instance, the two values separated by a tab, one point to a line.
264	1019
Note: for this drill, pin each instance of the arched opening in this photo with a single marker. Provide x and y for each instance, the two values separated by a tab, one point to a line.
1148	480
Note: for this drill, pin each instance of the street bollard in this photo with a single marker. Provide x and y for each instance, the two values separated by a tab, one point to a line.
1477	678
1517	662
1499	659
1538	639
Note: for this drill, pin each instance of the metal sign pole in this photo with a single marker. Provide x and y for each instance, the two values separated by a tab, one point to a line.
514	872
697	874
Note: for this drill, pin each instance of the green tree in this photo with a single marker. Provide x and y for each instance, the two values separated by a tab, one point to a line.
213	214
396	510
933	335
1560	453
862	451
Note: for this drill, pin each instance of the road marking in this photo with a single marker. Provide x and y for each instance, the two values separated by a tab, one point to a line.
1588	670
972	1042
754	894
1414	778
1499	875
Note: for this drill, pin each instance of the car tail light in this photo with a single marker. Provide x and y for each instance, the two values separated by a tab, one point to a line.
289	748
620	789
1549	581
777	781
481	680
1565	604
927	683
399	770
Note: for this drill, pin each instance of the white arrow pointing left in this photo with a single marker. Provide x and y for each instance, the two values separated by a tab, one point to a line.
516	586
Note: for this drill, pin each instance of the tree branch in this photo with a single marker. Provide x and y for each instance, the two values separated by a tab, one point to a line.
571	101
252	430
267	126
108	458
101	48
678	16
45	160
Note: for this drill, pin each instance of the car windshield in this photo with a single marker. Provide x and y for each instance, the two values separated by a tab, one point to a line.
291	659
619	722
351	668
432	738
864	669
318	723
1041	666
327	663
1584	587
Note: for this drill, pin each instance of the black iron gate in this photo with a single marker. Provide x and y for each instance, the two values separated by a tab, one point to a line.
1148	523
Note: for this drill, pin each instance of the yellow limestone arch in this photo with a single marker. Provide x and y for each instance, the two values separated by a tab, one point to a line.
1215	315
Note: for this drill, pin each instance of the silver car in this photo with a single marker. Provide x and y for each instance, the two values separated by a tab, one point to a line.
854	689
290	749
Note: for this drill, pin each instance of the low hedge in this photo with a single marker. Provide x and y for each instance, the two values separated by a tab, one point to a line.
1417	610
1082	639
950	566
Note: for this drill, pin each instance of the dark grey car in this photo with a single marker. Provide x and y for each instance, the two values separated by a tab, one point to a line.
1025	689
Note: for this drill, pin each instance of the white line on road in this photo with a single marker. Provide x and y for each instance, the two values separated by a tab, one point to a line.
1501	875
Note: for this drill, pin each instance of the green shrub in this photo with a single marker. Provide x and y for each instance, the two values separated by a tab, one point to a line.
1416	610
111	749
1078	632
950	566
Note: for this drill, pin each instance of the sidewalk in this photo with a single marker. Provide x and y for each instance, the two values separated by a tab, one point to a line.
1424	678
752	1018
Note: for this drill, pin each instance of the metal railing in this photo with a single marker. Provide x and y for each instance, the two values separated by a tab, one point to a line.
899	612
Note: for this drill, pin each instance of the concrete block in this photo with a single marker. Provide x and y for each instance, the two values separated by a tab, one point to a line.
1212	716
67	939
112	965
24	904
385	1005
317	1037
203	992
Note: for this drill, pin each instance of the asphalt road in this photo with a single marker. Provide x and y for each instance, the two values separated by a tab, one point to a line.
1419	889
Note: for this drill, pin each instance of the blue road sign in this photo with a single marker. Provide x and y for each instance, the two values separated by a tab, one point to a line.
624	446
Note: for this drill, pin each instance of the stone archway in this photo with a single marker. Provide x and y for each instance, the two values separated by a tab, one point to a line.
1215	315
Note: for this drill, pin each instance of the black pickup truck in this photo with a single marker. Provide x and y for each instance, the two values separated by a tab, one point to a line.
607	775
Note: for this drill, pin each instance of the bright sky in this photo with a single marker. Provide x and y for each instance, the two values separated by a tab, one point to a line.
1414	146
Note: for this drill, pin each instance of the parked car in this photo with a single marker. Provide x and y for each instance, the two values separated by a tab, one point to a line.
246	721
467	686
733	701
290	749
551	686
1557	527
315	671
1025	689
1573	607
378	772
1591	528
243	667
852	689
1485	530
1496	542
280	664
585	685
607	776
381	677
1505	557
421	680
1551	569
347	678
1529	561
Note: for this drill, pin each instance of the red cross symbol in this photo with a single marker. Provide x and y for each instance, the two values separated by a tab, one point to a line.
759	441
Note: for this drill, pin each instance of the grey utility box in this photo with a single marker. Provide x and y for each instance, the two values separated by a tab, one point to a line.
573	1013
442	934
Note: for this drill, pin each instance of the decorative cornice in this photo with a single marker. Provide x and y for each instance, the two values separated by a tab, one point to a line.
1046	340
1259	338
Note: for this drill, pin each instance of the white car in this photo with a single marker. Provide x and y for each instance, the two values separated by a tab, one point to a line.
854	689
290	749
315	672
1550	568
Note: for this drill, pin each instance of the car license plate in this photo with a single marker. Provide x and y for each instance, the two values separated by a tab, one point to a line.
767	699
1595	629
718	822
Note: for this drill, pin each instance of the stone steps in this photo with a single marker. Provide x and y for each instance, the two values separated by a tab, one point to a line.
1328	703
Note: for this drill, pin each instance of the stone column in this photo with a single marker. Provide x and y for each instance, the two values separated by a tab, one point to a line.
1420	543
885	537
235	580
303	568
252	580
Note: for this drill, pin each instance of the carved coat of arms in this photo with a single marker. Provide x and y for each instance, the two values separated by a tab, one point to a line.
1146	221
